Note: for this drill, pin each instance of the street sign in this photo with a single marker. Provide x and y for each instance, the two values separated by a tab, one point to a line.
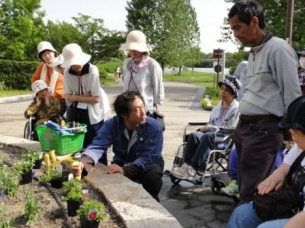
217	53
217	68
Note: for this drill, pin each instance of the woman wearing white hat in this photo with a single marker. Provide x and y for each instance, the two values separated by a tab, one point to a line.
50	71
141	72
83	92
44	107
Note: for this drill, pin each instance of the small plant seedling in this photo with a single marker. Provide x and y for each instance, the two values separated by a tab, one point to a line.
31	212
89	206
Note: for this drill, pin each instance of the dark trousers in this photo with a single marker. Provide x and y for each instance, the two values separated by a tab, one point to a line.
257	144
92	130
152	179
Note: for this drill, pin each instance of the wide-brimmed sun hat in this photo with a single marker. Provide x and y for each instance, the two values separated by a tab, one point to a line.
136	40
43	46
74	55
232	82
294	118
38	86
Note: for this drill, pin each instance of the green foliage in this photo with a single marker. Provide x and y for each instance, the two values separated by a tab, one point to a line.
212	92
47	177
205	105
31	212
24	167
73	184
171	28
16	74
9	181
5	220
73	189
275	17
90	204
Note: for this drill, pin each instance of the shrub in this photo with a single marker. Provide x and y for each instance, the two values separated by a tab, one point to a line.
93	206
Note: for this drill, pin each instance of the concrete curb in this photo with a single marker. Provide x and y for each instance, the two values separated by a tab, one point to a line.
129	200
17	98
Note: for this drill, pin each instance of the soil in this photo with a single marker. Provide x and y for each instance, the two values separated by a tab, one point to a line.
50	213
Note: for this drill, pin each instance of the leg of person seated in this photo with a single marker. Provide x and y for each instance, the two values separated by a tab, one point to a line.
274	223
232	188
204	148
152	179
244	216
296	221
188	153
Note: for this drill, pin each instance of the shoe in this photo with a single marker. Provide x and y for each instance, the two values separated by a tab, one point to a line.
185	173
231	189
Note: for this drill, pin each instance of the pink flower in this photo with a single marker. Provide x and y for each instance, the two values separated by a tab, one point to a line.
92	215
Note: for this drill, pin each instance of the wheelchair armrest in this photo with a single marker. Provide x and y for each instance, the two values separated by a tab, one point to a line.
226	130
197	123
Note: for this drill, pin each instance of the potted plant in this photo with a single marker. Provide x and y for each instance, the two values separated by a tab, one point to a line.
91	212
25	169
74	194
37	159
53	177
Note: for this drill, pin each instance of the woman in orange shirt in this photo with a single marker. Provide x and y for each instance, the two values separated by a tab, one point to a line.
50	71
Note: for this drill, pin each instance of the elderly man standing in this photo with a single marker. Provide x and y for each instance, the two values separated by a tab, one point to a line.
272	85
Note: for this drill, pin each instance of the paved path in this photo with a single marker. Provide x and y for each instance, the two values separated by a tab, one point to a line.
193	206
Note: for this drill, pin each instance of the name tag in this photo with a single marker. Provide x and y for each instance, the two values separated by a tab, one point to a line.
82	105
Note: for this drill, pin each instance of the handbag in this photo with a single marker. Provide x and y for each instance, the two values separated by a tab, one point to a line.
157	116
154	113
285	202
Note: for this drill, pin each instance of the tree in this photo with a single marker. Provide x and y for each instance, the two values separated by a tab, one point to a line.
101	43
170	26
21	25
275	16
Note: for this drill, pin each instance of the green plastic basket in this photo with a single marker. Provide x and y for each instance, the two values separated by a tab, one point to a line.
62	144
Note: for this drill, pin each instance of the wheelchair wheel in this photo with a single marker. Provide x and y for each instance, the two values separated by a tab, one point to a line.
175	180
27	133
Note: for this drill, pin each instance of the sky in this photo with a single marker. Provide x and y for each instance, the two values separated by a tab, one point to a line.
210	15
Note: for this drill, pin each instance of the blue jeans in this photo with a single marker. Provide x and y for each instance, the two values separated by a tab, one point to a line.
198	147
245	216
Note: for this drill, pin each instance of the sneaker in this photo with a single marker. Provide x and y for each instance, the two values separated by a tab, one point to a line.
185	173
231	189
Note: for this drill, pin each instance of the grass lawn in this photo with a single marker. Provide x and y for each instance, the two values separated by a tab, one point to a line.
198	78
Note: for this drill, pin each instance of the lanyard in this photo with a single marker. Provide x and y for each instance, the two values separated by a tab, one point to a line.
81	92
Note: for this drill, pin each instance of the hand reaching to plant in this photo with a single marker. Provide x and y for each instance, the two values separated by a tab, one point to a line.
77	168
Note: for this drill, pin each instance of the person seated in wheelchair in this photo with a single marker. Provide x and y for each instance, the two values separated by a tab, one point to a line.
43	107
201	142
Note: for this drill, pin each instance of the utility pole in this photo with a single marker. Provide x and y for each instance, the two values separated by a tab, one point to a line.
289	20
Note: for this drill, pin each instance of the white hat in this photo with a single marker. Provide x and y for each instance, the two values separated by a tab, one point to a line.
74	55
38	86
45	45
136	40
57	61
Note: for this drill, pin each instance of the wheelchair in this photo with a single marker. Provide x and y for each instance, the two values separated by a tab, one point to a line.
28	132
216	162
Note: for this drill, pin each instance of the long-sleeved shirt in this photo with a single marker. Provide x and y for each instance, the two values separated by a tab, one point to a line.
136	153
272	79
44	112
148	81
228	119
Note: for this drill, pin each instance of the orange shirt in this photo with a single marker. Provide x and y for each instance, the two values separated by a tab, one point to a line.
58	91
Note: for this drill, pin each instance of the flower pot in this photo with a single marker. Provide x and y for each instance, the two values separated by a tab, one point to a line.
26	177
56	183
85	223
73	206
37	164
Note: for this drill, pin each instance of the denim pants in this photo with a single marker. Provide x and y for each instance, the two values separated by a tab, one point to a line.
245	216
198	147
